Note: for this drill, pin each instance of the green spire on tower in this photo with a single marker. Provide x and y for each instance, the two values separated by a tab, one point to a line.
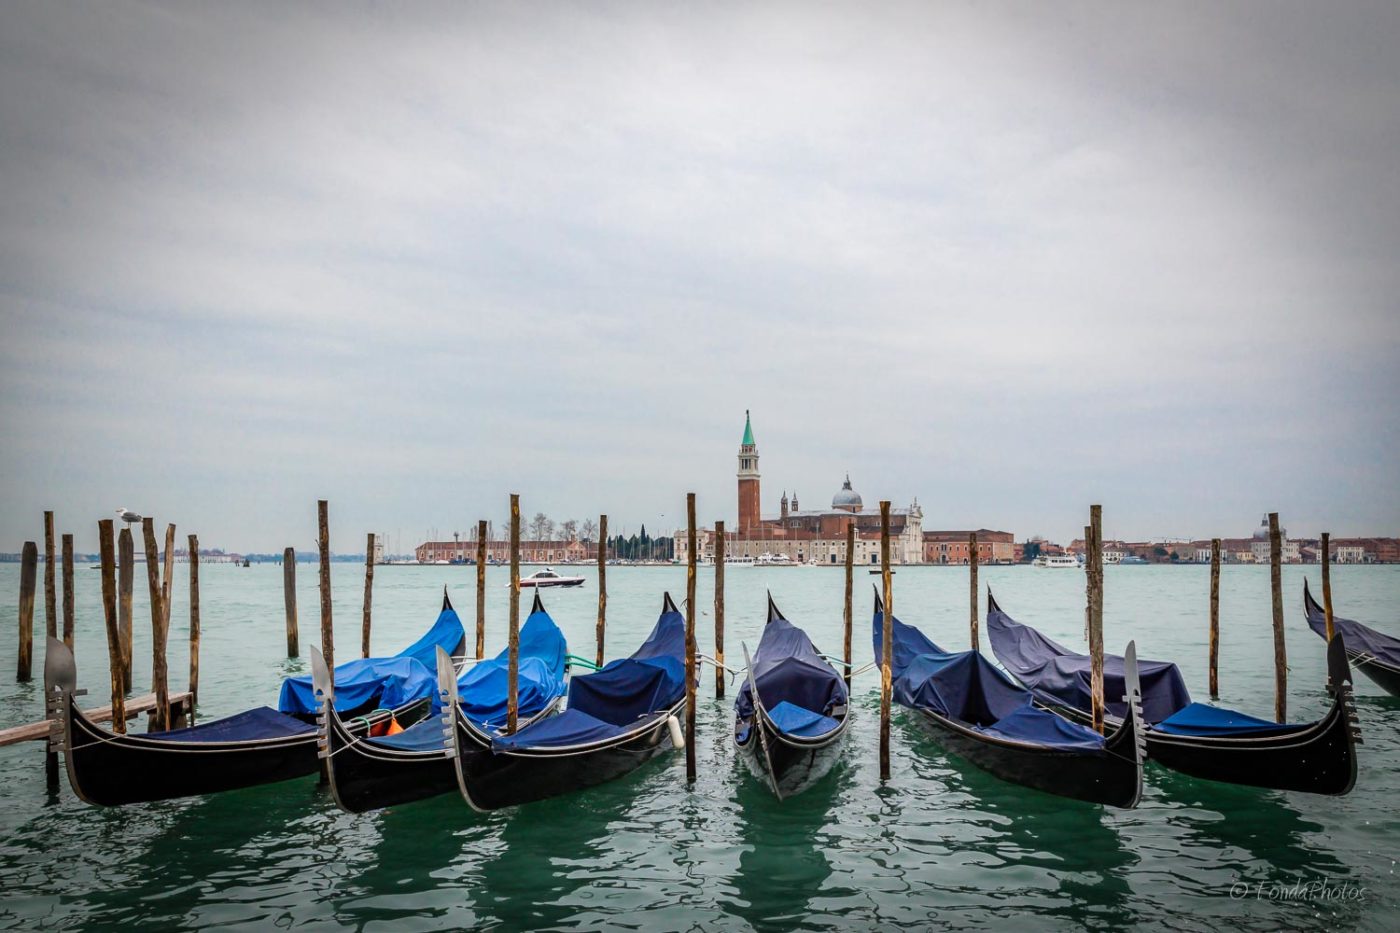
748	430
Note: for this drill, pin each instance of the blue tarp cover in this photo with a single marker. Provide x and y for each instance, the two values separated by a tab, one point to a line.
260	723
1358	638
794	720
483	688
969	688
388	682
611	701
1201	719
424	736
789	669
1054	671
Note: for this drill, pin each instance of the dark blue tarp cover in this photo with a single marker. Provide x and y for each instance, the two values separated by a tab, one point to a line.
968	688
1358	638
611	701
260	723
388	682
1202	719
789	669
1054	671
424	736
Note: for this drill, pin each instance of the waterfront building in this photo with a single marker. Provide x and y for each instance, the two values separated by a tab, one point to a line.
498	552
951	547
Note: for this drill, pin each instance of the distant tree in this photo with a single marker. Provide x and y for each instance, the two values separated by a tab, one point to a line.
569	529
589	532
538	525
1176	556
1031	550
1159	551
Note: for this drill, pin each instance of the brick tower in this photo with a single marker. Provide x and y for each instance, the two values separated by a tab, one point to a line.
748	479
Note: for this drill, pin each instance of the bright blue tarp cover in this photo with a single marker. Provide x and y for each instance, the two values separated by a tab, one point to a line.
611	701
794	720
483	688
1054	671
789	669
968	688
387	682
260	723
1201	719
1358	638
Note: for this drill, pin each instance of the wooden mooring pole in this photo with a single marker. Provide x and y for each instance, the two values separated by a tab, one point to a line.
481	558
28	570
513	664
1214	618
1280	648
160	715
602	586
289	599
972	579
50	590
194	623
1327	581
719	610
690	639
68	606
115	651
126	583
324	544
847	617
1095	587
369	594
886	641
168	571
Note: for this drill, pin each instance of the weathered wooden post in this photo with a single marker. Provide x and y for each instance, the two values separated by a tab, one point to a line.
886	641
1095	575
1327	581
169	575
115	656
28	570
160	717
50	595
602	585
690	639
513	666
68	591
719	610
481	558
194	623
289	598
972	568
369	594
1280	648
324	542
847	616
1214	618
126	582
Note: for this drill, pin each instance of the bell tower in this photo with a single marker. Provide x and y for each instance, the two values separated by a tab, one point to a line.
748	479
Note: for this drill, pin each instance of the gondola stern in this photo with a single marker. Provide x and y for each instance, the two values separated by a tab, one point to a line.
1132	698
667	603
446	603
538	604
879	599
773	611
992	605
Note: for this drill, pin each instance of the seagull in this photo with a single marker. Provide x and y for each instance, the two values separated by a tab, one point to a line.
128	516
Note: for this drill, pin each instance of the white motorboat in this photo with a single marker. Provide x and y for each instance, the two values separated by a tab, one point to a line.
547	577
1056	560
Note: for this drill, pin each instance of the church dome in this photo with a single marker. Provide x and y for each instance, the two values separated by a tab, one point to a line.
847	499
1262	532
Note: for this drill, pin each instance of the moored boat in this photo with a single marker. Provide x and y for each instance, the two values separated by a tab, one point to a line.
792	712
1373	653
548	577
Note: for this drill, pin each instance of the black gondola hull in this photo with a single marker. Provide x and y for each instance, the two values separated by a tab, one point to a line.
364	776
1382	675
1111	776
109	769
493	781
794	767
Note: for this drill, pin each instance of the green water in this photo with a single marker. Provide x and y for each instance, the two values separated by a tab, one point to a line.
942	844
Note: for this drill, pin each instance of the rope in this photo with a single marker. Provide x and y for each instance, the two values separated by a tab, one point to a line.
582	661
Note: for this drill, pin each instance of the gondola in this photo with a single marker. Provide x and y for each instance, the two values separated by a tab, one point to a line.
258	746
616	719
367	772
1194	738
974	710
792	711
1373	653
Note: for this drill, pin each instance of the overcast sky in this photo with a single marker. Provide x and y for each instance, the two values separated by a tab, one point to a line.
1009	259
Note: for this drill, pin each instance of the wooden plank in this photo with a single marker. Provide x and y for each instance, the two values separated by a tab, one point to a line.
115	662
369	594
602	585
719	610
886	641
324	540
690	639
1280	647
133	708
1214	675
29	566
